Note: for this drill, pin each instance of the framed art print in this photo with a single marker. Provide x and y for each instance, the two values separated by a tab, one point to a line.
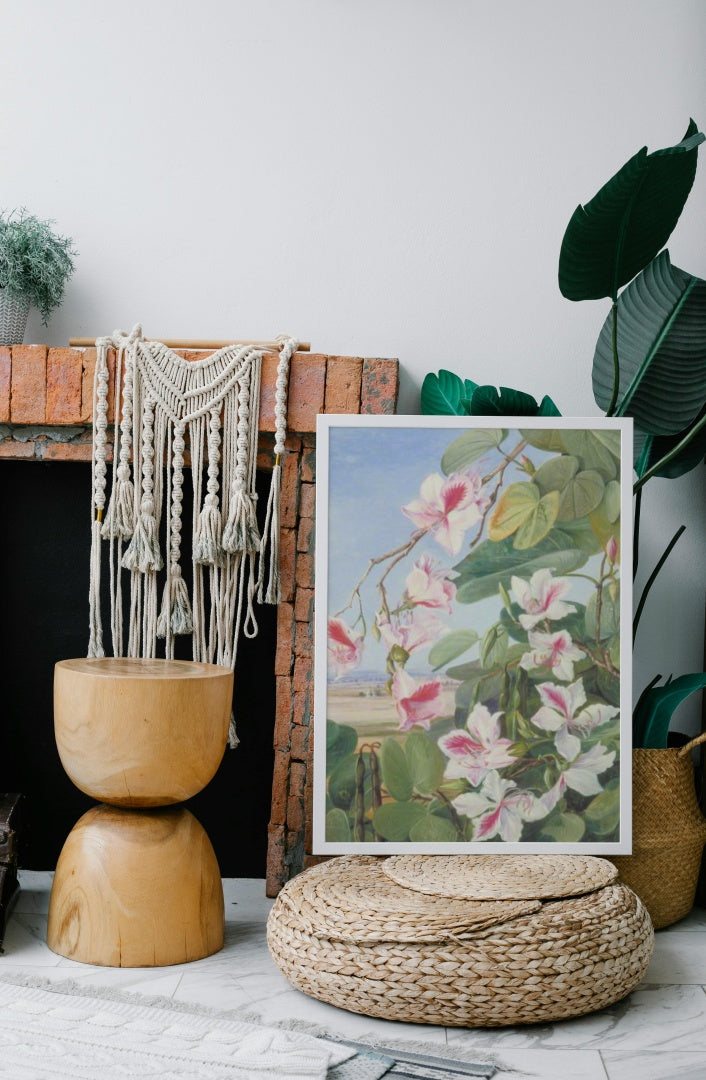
473	614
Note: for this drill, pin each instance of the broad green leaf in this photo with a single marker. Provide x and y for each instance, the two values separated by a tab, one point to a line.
653	714
494	647
591	451
489	401
341	740
516	504
432	829
603	812
555	474
394	821
338	831
582	535
649	450
480	685
425	761
470	446
450	646
539	523
549	439
581	496
494	562
661	350
395	771
610	239
563	828
609	616
341	784
611	501
443	394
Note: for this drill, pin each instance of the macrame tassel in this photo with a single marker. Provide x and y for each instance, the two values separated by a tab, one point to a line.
175	614
143	552
95	640
273	593
208	548
241	532
120	518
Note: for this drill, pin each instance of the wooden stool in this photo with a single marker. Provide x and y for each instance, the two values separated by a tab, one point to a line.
137	886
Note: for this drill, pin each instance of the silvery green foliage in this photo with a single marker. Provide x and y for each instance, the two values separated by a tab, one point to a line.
35	263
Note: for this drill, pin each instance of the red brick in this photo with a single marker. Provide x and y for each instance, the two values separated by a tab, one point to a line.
379	387
343	382
284	654
275	860
5	375
64	379
309	807
10	448
304	605
305	535
300	736
283	712
307	500
302	674
308	465
307	382
89	368
287	562
305	571
289	501
302	640
297	779
280	786
29	384
301	710
295	815
54	451
292	444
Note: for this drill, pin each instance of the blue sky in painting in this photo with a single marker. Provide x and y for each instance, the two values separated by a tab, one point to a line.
373	472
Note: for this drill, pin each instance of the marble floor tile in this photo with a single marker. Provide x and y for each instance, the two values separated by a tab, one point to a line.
548	1065
679	957
676	1065
25	942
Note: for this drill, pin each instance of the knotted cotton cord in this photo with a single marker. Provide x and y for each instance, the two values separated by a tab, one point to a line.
160	400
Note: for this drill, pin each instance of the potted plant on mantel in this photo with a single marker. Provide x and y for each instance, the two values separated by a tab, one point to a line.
650	364
35	264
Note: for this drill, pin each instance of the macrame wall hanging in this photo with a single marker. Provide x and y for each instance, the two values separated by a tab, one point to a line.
161	400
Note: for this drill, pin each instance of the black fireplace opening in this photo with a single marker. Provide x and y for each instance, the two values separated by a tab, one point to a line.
44	561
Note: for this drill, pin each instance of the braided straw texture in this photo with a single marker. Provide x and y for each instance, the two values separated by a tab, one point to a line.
361	904
669	832
501	877
568	958
13	318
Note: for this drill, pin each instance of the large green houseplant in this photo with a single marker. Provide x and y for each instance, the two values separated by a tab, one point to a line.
35	264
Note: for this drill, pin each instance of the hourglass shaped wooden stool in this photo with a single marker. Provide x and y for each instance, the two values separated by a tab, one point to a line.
137	883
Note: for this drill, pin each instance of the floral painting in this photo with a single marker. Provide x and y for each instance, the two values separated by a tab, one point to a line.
469	645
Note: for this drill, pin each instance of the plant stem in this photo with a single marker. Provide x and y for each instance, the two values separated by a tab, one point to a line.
616	365
671	455
636	533
651	580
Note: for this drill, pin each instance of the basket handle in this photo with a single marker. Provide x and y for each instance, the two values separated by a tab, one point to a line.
691	745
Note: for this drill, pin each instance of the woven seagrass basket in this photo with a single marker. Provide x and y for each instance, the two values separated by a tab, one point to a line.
669	832
13	318
348	933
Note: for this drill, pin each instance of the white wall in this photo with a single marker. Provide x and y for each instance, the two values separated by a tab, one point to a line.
383	177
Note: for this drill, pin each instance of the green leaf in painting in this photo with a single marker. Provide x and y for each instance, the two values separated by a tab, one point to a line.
548	439
661	350
494	562
583	536
653	714
563	828
341	740
338	831
603	812
443	394
450	646
581	496
425	761
609	616
468	447
611	501
592	452
341	784
432	829
494	647
516	504
539	523
610	239
555	474
394	821
395	771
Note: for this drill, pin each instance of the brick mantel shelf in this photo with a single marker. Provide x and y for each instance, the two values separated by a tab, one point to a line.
46	397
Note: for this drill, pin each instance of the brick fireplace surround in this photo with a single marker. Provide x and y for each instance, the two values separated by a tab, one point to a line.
45	415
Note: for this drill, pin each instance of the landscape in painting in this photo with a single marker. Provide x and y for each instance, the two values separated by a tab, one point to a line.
473	637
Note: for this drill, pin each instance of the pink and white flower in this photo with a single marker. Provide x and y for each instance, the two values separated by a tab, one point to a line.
345	648
428	586
417	702
582	773
477	749
500	808
447	507
411	630
540	597
556	651
559	713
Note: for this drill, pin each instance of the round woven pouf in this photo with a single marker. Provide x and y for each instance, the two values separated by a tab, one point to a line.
350	934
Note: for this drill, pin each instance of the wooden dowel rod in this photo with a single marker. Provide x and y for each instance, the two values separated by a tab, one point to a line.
198	343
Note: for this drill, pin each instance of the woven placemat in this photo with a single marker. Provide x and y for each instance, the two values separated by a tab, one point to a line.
358	902
500	877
